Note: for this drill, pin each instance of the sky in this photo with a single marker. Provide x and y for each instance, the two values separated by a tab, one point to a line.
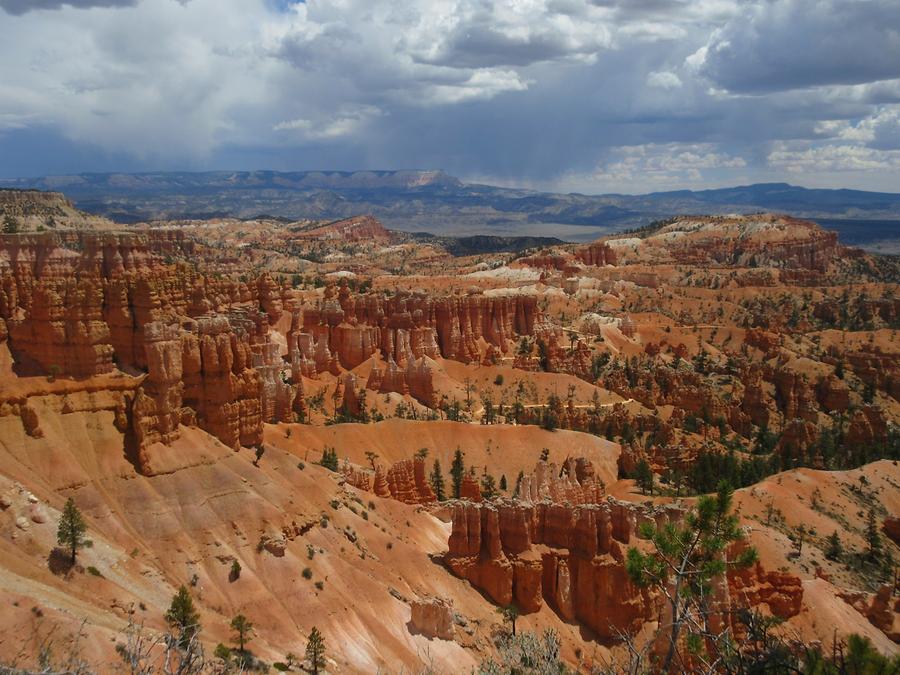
590	96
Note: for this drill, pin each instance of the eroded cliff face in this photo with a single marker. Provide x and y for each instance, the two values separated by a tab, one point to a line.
406	327
221	372
406	481
563	543
82	304
566	555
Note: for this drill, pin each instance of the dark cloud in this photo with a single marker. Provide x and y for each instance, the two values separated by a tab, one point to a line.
595	95
22	6
792	44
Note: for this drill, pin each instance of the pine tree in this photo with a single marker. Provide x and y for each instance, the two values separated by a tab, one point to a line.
509	613
503	482
686	559
183	617
71	529
315	650
873	538
457	471
835	549
329	459
243	629
644	477
488	486
798	538
437	481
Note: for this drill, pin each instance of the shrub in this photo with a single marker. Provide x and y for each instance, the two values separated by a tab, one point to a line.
307	573
498	380
320	585
94	571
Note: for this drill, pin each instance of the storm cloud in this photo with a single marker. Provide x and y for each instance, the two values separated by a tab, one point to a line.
22	6
586	95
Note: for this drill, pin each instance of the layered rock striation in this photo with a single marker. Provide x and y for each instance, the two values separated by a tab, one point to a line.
569	556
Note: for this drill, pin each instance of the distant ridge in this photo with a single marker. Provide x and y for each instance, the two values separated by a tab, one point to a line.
433	201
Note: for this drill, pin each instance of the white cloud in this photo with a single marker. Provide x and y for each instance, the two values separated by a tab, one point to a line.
348	121
664	79
832	159
668	166
882	126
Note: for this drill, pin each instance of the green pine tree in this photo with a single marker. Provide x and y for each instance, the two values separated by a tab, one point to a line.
182	616
644	477
873	538
437	481
329	459
243	629
488	486
315	650
457	472
71	529
834	549
509	613
686	558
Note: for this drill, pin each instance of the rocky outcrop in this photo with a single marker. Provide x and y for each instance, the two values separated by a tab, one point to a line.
432	617
407	482
356	477
575	483
157	408
891	527
469	488
221	372
597	253
220	383
379	484
754	586
416	380
884	612
64	331
358	229
867	425
572	557
796	396
405	326
833	394
569	556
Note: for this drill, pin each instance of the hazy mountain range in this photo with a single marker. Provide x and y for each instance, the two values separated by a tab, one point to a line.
435	202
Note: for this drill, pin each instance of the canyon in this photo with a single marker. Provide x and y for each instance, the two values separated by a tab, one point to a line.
436	436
